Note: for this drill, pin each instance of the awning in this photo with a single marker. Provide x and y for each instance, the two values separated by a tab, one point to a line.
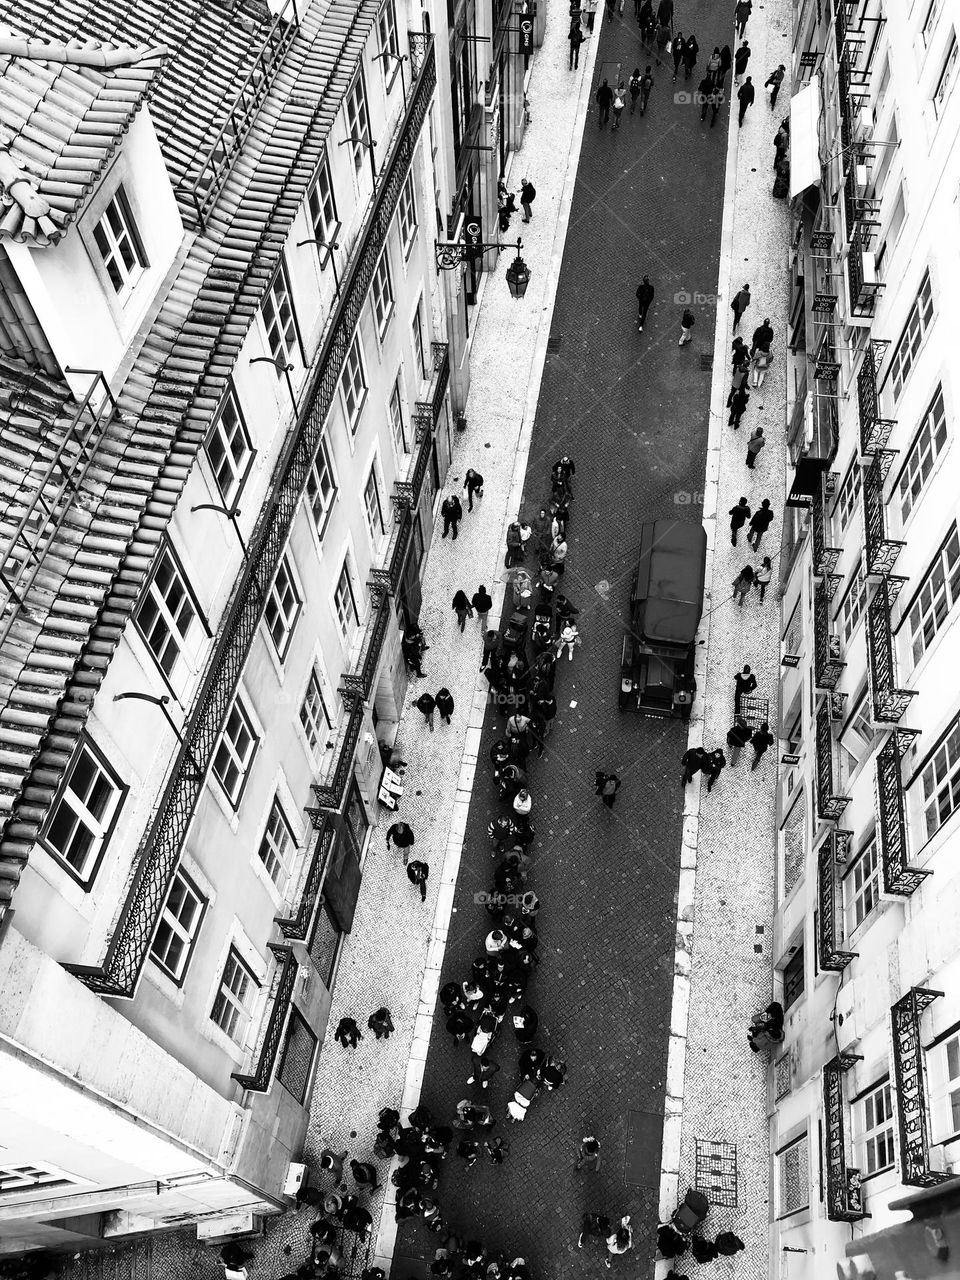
804	137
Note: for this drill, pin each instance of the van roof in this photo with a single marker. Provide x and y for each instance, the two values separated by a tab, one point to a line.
668	598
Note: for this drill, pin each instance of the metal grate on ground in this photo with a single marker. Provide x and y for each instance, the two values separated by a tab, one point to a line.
715	1172
756	711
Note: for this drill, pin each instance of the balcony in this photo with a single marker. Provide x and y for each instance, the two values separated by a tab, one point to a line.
844	1196
824	558
278	1006
862	279
833	855
298	926
874	430
882	552
899	878
830	805
910	1094
889	702
827	664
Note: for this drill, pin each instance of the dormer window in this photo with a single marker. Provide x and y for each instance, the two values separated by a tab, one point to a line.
119	244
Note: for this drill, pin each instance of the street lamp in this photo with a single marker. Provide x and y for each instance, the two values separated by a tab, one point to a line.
450	254
162	702
281	366
518	275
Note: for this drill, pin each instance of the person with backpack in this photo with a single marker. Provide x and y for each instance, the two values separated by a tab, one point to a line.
646	84
634	87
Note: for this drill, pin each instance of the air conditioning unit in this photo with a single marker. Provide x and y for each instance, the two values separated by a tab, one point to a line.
296	1178
869	261
862	177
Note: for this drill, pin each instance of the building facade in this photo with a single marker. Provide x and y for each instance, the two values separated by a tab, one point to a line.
231	372
865	1090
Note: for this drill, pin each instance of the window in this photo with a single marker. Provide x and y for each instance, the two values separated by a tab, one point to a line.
278	844
167	619
940	781
321	488
930	21
28	1177
314	720
849	495
279	320
119	245
792	839
793	978
861	886
946	77
371	503
345	604
397	425
417	331
381	293
793	632
178	927
930	442
793	1178
84	813
931	605
882	171
856	737
296	1064
229	451
358	126
234	1000
325	943
235	751
353	383
873	1140
322	208
283	607
852	605
918	322
389	47
944	1076
407	215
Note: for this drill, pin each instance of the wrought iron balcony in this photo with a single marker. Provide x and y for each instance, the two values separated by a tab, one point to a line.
874	430
330	793
827	664
865	288
118	972
824	558
889	702
844	1196
910	1093
833	855
830	804
845	105
882	552
281	993
298	926
898	877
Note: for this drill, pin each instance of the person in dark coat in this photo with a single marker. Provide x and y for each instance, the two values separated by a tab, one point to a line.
773	83
594	1225
482	604
452	513
445	704
762	337
704	90
401	834
473	483
525	1022
412	647
347	1033
745	96
645	295
604	100
691	52
461	607
460	1025
713	765
670	1243
737	402
364	1174
576	38
744	684
738	735
528	193
726	62
703	1250
491	644
728	1244
693	760
427	704
717	99
678	46
381	1024
608	784
740	60
741	300
665	13
417	873
739	515
760	741
741	13
759	524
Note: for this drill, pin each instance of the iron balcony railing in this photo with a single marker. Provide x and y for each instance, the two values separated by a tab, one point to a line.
874	429
898	876
889	702
844	1194
882	551
297	926
827	663
824	558
278	1006
159	855
865	288
830	804
833	855
910	1093
203	188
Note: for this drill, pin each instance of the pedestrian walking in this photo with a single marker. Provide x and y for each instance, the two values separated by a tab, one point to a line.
645	295
713	64
561	476
745	96
528	193
763	576
760	522
590	9
569	637
760	361
381	1023
740	60
604	100
575	37
693	760
461	607
608	784
445	703
717	99
427	705
762	336
691	51
738	735
702	96
646	84
754	445
482	604
619	1242
742	584
713	766
687	321
744	684
588	1154
781	143
772	84
484	1069
347	1033
401	834
558	554
473	483
365	1174
739	515
663	39
491	646
469	1151
497	1151
634	86
619	102
452	513
728	1244
726	62
417	873
412	646
514	552
760	741
525	1023
594	1225
330	1160
741	300
737	402
741	360
741	13
677	47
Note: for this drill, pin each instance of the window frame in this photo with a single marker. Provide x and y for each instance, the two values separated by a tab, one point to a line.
199	627
417	341
88	874
240	474
357	117
296	1018
325	227
868	1130
913	335
929	24
233	954
286	567
949	744
781	1211
315	475
849	495
389	44
853	604
130	278
945	80
796	969
407	225
919	613
376	534
345	576
308	721
354	374
291	345
398	425
861	894
282	860
922	456
244	769
188	937
944	1090
382	298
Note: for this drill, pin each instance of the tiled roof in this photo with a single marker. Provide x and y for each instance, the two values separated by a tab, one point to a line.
59	648
61	120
